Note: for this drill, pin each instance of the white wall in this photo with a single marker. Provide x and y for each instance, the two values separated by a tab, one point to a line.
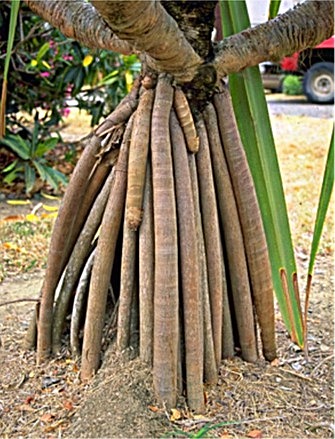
258	9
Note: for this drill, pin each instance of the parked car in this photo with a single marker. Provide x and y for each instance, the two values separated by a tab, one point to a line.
315	66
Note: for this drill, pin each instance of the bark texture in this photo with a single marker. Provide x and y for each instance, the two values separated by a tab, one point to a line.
149	28
79	20
162	40
307	25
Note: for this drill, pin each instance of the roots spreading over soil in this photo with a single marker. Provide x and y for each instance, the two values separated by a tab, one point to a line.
159	243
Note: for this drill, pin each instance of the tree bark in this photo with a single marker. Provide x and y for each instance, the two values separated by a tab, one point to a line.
307	25
79	20
149	28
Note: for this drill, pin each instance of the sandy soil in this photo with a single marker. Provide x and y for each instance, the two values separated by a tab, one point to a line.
291	398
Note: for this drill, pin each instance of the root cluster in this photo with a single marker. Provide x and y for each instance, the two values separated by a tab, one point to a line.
159	244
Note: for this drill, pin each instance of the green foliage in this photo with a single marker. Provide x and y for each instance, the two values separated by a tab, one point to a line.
256	134
273	8
52	73
47	70
324	200
292	85
30	160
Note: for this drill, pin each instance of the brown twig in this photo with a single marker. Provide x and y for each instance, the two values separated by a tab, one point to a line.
9	302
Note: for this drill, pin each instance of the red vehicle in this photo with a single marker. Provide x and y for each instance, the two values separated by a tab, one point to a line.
315	65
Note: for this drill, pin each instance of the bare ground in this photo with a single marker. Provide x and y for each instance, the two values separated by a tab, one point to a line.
292	398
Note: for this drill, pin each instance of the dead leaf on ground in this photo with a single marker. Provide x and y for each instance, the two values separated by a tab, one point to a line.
47	417
256	434
175	415
68	405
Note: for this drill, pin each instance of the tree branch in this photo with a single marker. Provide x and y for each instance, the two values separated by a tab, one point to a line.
147	26
307	25
80	21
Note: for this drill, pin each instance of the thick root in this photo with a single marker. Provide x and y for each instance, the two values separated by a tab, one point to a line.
168	222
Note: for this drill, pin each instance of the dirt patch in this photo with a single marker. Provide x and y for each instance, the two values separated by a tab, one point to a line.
25	287
293	398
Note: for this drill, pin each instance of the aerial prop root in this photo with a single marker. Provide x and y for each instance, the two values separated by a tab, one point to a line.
170	192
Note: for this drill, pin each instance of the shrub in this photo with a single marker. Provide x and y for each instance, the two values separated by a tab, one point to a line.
50	73
292	85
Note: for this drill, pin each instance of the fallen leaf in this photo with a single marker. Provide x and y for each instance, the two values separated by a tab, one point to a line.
11	246
29	399
153	408
275	362
256	434
49	215
53	427
47	417
49	197
68	405
50	208
18	202
175	415
32	217
13	218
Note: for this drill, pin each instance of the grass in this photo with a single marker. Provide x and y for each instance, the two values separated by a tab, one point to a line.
301	144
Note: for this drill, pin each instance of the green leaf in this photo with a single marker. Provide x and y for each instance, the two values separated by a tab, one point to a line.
255	129
15	6
18	145
46	146
110	78
11	166
274	8
59	176
40	169
34	139
29	177
79	80
71	74
12	175
43	50
54	177
326	191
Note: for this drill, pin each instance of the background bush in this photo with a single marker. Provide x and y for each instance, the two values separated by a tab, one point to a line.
292	85
48	75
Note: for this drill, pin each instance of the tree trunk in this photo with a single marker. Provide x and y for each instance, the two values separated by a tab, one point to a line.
177	197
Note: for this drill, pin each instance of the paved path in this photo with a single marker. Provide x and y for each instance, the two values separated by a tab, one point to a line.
297	106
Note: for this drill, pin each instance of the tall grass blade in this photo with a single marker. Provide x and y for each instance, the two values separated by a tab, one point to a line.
274	8
326	191
15	6
324	200
255	130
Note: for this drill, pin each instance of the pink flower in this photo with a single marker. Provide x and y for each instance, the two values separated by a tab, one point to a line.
45	74
65	111
68	91
67	57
